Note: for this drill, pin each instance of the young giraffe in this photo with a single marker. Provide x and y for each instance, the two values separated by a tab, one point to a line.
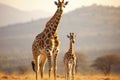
47	43
70	58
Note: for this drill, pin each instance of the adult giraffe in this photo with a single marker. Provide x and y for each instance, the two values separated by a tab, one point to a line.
47	43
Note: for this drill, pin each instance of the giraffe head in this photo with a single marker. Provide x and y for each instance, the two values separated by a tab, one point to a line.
72	37
60	4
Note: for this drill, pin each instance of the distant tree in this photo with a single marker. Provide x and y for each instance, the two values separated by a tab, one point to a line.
81	61
105	63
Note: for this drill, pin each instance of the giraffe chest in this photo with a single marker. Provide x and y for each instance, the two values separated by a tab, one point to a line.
70	56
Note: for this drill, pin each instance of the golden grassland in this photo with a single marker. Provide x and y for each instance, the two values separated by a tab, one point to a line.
31	76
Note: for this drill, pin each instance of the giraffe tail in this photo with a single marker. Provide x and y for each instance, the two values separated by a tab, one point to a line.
33	65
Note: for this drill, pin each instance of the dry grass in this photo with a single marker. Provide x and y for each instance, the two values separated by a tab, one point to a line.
31	76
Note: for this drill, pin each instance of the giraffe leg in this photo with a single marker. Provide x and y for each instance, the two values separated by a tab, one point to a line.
55	65
42	64
73	71
65	74
68	72
37	67
49	63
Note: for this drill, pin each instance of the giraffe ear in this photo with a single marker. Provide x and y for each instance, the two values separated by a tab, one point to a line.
68	36
56	3
66	2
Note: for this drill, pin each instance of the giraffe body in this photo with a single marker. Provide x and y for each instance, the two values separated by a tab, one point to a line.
46	44
70	59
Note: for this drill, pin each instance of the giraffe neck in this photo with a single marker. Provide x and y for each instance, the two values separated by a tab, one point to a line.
71	49
52	24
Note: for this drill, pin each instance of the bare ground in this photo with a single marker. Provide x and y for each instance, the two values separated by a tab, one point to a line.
31	76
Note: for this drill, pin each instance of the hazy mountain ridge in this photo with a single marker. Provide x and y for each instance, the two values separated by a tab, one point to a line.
10	15
92	26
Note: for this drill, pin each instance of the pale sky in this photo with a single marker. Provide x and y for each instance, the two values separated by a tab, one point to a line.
48	5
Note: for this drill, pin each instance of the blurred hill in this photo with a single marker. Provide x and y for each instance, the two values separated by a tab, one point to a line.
10	15
97	29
